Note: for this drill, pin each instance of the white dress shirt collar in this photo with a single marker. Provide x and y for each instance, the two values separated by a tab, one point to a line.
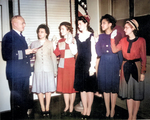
17	31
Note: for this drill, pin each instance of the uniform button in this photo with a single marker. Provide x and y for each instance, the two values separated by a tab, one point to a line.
107	51
106	45
16	54
27	62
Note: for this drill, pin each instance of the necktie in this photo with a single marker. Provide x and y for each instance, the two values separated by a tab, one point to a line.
21	35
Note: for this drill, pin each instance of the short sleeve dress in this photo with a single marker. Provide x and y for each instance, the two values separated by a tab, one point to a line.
109	65
66	67
84	82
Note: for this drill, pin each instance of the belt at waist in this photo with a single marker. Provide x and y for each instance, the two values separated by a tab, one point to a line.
130	68
134	60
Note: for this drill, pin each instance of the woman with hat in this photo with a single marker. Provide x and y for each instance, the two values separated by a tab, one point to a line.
133	67
85	78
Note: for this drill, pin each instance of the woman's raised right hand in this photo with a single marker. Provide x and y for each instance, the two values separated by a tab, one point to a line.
55	41
114	34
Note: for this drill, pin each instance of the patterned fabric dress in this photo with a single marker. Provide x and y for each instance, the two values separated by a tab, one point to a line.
66	68
109	65
134	64
84	82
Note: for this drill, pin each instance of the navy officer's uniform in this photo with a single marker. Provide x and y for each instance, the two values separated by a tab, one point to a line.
18	69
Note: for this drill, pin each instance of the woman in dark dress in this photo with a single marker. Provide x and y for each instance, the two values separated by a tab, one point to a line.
133	66
108	68
85	78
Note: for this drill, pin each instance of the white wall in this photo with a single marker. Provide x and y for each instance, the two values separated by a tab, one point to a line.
93	10
5	16
4	89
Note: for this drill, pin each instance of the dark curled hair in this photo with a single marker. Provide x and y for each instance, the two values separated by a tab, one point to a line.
82	18
43	26
110	19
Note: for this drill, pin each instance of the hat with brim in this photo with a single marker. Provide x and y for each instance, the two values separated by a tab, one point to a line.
133	23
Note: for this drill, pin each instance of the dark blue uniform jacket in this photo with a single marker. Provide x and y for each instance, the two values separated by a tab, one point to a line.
13	52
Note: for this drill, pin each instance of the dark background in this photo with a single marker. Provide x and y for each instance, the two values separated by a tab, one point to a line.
144	30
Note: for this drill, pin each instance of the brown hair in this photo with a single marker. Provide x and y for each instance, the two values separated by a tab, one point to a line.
67	25
44	27
84	20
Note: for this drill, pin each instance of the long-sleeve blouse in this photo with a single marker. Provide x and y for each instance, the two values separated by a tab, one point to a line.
45	58
103	45
137	50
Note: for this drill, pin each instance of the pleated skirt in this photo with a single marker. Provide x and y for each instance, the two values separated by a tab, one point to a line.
133	89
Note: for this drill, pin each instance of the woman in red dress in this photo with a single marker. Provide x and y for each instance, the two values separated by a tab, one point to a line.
66	66
133	67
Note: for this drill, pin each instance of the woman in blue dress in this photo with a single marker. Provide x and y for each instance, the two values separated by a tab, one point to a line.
109	64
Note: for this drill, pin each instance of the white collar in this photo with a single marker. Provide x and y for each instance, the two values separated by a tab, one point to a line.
42	42
84	36
17	31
